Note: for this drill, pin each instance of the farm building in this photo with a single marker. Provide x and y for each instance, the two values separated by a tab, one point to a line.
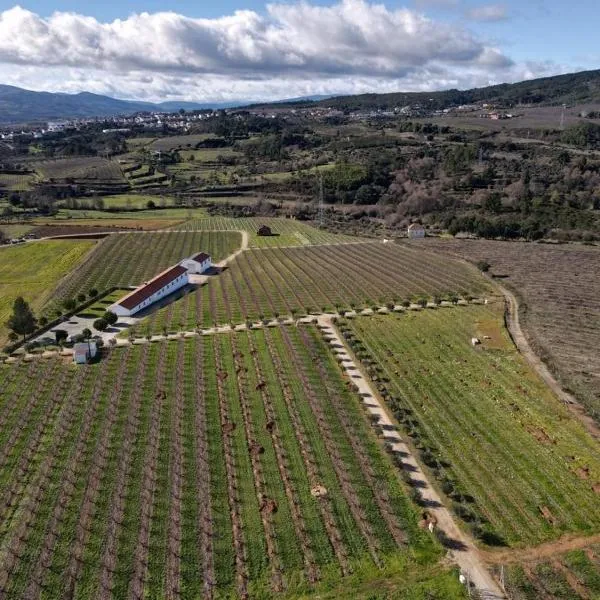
264	230
84	352
198	263
162	285
416	231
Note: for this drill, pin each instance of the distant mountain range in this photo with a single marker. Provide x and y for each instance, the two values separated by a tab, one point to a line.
24	106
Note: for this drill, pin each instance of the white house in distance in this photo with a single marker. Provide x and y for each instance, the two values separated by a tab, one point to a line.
162	285
197	264
416	231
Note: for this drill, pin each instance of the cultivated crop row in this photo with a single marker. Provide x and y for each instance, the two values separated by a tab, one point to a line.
286	232
288	281
569	576
515	465
226	465
131	258
92	168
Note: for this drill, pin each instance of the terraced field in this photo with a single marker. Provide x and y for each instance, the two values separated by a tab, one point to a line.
288	232
15	183
297	281
127	259
90	168
559	294
516	466
33	270
228	466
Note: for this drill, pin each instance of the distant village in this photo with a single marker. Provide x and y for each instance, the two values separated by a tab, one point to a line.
185	120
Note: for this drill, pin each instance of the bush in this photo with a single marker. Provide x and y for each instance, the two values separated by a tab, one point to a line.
69	304
110	317
100	325
93	293
483	266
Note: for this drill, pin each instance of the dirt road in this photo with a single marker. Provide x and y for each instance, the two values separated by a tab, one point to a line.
520	340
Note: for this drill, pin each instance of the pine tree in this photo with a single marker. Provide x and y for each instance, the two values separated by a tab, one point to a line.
22	321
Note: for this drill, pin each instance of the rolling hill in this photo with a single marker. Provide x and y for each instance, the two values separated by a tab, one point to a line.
571	88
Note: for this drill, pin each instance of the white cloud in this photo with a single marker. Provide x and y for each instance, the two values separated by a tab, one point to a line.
489	12
295	49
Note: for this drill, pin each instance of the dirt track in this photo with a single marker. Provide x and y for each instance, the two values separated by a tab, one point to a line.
520	341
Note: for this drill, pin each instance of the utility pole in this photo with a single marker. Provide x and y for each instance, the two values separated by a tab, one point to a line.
321	202
562	117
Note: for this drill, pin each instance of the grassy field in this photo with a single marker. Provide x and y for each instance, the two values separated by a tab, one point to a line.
127	259
188	470
33	270
288	232
15	231
210	155
138	201
559	291
515	465
170	213
296	281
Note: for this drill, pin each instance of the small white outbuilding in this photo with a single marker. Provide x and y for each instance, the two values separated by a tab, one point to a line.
416	231
197	264
83	352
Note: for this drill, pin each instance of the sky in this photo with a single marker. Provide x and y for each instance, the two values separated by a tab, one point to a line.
242	50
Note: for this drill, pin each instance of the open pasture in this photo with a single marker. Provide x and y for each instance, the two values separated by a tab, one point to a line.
89	168
126	259
515	465
33	270
287	232
297	281
179	142
558	288
226	466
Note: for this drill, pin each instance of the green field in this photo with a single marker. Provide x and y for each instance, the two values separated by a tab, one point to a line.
512	461
288	232
297	281
207	154
15	231
174	469
135	201
126	259
33	270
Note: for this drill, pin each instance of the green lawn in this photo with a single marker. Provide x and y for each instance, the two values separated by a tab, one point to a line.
33	270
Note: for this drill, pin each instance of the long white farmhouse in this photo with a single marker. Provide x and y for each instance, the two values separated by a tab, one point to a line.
162	285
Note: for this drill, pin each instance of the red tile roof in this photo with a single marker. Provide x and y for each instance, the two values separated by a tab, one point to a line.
201	257
154	285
